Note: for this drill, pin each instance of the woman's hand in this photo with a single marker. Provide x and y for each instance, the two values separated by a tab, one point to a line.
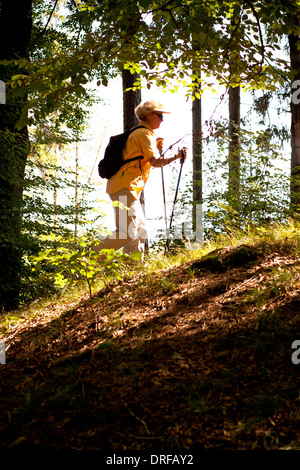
182	154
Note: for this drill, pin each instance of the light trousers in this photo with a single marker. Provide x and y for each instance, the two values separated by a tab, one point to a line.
131	230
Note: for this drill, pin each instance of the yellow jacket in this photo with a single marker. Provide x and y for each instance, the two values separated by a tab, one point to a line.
134	175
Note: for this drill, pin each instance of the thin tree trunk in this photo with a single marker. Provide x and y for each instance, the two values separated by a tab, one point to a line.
56	147
197	221
234	150
197	169
234	147
295	126
76	187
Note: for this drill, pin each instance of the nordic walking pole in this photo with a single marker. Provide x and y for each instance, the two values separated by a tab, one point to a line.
175	198
164	198
159	143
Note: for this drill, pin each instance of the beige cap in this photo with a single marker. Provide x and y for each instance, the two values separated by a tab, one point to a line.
159	110
149	107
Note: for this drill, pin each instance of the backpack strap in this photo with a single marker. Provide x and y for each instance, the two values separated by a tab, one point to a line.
140	157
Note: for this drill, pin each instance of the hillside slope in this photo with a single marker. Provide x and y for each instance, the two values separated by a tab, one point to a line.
193	357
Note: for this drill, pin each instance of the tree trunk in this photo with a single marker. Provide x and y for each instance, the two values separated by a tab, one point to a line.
197	217
131	99
15	31
197	169
234	147
234	150
295	125
76	186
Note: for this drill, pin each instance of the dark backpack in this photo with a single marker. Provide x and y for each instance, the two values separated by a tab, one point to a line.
113	160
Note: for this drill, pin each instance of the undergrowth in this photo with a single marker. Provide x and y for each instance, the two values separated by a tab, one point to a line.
281	238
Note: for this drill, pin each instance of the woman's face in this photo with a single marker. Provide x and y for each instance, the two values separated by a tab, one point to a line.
154	119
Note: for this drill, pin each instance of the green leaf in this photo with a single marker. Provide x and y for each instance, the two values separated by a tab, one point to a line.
136	256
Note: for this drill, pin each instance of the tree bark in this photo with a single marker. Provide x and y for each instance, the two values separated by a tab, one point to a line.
234	147
197	168
197	217
234	150
15	31
295	124
131	99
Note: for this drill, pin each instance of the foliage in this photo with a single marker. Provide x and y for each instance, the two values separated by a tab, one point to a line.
71	260
161	41
264	190
45	223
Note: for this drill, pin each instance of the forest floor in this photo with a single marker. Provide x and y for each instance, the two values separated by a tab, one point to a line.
196	356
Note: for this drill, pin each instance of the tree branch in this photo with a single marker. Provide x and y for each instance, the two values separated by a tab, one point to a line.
249	3
233	34
49	19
